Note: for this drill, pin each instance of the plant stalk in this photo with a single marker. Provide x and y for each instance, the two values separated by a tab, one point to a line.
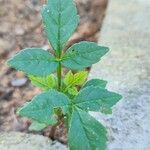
53	129
52	132
59	71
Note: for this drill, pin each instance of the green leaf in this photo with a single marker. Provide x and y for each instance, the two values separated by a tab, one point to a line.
60	20
75	79
45	83
36	126
80	77
83	54
96	99
69	78
95	83
41	108
34	61
86	133
73	91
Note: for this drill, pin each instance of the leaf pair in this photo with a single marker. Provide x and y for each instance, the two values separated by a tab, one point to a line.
38	62
90	98
75	79
72	80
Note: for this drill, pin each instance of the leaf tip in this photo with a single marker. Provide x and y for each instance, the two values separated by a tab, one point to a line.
107	49
9	61
120	96
18	111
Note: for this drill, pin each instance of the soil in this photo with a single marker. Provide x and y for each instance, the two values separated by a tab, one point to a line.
21	27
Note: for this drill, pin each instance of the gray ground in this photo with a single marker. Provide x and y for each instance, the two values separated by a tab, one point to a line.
22	141
127	69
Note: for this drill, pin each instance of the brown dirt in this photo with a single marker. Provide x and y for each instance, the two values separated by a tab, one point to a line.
20	27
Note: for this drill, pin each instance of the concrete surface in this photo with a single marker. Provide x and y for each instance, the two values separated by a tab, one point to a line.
126	30
22	141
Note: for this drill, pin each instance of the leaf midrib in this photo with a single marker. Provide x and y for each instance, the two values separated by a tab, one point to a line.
84	129
28	60
71	56
59	26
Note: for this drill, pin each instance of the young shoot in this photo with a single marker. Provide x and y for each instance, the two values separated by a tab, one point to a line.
66	98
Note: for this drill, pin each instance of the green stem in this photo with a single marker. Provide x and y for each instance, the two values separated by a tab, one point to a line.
59	71
59	50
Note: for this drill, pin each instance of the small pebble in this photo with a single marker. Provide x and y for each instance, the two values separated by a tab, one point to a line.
19	82
34	2
19	30
45	47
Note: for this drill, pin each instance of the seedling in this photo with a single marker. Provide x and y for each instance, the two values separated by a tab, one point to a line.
61	99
